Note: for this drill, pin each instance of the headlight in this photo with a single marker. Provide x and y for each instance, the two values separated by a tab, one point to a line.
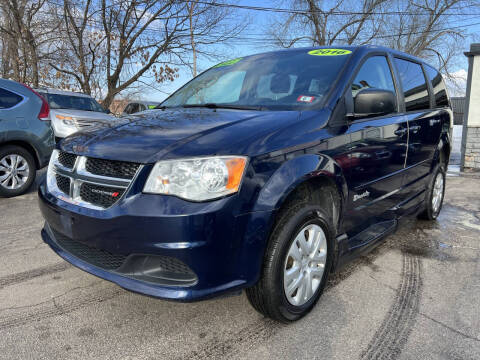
197	179
50	172
67	120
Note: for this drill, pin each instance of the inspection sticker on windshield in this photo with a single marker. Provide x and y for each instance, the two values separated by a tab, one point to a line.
305	98
329	52
229	62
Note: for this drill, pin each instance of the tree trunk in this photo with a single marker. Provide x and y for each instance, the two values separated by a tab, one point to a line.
192	37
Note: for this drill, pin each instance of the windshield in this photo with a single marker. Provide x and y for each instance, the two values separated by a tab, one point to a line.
72	102
279	81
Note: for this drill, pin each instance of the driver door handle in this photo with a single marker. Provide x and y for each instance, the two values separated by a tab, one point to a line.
400	132
415	128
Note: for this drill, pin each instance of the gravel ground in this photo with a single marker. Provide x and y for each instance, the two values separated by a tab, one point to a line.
414	297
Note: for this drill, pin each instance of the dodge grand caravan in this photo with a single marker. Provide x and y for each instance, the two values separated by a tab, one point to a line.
264	173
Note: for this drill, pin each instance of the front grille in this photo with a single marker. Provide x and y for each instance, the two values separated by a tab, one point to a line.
63	183
90	182
112	168
66	159
81	124
173	265
103	196
100	258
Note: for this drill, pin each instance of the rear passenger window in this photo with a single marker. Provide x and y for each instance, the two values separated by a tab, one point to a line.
414	85
374	73
8	99
438	86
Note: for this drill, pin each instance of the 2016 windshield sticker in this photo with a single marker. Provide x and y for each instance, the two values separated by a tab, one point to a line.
329	52
305	98
228	63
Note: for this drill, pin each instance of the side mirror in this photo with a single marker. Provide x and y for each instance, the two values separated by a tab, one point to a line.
374	102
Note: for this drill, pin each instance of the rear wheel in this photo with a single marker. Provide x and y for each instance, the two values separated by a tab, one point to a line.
435	195
297	262
17	170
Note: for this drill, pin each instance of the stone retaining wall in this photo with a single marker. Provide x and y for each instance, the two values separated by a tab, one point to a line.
472	148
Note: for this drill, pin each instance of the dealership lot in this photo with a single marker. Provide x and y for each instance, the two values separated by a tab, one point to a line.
415	296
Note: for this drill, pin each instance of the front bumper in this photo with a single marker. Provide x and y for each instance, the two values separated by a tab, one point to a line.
223	251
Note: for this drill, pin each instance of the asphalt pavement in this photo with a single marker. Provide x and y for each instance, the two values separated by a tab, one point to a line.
416	296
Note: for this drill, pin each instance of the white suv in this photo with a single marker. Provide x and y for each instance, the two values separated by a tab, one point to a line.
71	111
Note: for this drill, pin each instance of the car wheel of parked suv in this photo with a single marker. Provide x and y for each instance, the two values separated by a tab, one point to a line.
297	262
435	194
17	170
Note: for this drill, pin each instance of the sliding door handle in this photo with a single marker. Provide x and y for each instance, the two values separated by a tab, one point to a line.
400	132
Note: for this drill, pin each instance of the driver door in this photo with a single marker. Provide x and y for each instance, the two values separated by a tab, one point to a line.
376	153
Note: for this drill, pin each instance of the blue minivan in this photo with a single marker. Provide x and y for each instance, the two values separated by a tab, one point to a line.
265	173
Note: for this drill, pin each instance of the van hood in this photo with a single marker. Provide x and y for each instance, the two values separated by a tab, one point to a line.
174	133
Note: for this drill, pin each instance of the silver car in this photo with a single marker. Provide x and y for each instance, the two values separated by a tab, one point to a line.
71	111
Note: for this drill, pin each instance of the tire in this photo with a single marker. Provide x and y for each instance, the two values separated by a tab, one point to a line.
24	170
433	205
268	296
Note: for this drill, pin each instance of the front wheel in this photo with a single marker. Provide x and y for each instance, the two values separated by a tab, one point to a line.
434	196
17	170
297	262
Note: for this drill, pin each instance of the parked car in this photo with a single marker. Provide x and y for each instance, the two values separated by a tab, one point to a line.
264	173
26	137
71	111
138	106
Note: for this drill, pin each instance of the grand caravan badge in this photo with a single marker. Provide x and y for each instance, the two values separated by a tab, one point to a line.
329	52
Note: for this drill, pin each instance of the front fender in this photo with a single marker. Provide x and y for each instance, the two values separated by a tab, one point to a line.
281	183
296	171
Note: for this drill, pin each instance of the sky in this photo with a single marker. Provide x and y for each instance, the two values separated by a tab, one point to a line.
258	21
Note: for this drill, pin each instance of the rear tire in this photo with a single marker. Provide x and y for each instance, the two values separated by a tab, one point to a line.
434	195
269	296
17	170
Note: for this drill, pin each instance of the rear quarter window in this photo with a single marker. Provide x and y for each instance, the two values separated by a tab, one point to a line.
438	86
414	85
8	99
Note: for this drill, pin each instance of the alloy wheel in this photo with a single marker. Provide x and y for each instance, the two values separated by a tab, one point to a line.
14	171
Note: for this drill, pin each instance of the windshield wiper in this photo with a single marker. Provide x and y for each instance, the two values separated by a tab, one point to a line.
222	106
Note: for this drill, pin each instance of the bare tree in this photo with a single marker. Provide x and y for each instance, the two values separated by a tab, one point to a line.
428	28
313	22
118	45
26	33
141	36
81	50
